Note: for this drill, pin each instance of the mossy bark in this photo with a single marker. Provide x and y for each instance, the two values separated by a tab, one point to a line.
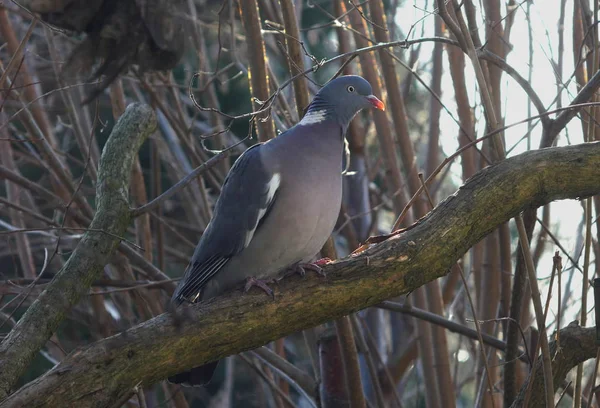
577	344
91	254
108	370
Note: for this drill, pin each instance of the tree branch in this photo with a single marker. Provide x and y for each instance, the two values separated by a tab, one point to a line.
193	175
257	71
577	344
584	95
91	254
109	369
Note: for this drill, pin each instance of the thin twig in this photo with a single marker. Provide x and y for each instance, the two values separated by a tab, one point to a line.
181	183
269	382
139	391
473	310
539	313
556	266
454	155
302	381
364	348
350	362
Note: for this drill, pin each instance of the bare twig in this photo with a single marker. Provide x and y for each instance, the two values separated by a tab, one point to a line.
349	353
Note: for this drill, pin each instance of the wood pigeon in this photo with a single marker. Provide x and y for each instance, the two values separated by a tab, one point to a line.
278	205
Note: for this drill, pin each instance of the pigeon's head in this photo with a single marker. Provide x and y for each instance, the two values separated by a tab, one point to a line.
341	99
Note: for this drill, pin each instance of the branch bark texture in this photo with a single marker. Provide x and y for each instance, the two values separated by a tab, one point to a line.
91	254
577	344
109	369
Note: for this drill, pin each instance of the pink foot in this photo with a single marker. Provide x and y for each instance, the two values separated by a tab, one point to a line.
322	261
300	268
259	283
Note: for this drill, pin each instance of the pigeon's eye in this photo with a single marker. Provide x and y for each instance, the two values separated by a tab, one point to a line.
350	88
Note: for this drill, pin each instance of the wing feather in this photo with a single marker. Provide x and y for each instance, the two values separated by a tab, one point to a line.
196	276
249	192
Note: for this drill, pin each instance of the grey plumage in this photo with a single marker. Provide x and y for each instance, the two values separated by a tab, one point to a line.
242	205
279	202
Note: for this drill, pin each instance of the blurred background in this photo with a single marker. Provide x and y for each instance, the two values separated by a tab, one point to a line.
68	70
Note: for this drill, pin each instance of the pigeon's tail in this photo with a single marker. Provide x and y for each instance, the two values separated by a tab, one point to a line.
176	300
196	377
181	295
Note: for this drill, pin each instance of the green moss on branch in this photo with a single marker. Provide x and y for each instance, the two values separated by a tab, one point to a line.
108	370
91	254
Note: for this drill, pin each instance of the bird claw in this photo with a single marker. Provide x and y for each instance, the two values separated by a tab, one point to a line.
259	283
300	268
323	261
316	266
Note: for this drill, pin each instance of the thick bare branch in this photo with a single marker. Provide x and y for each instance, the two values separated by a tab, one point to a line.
577	344
92	253
108	370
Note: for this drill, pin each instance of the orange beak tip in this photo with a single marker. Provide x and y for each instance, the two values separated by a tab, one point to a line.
376	102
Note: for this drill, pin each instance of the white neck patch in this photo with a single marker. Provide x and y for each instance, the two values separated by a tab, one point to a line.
313	117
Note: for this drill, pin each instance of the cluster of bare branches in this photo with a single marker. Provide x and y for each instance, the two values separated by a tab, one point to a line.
486	322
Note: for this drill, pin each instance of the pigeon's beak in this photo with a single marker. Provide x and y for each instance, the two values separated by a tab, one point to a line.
377	104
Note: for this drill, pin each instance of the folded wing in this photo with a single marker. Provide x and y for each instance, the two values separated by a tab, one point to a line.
249	192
